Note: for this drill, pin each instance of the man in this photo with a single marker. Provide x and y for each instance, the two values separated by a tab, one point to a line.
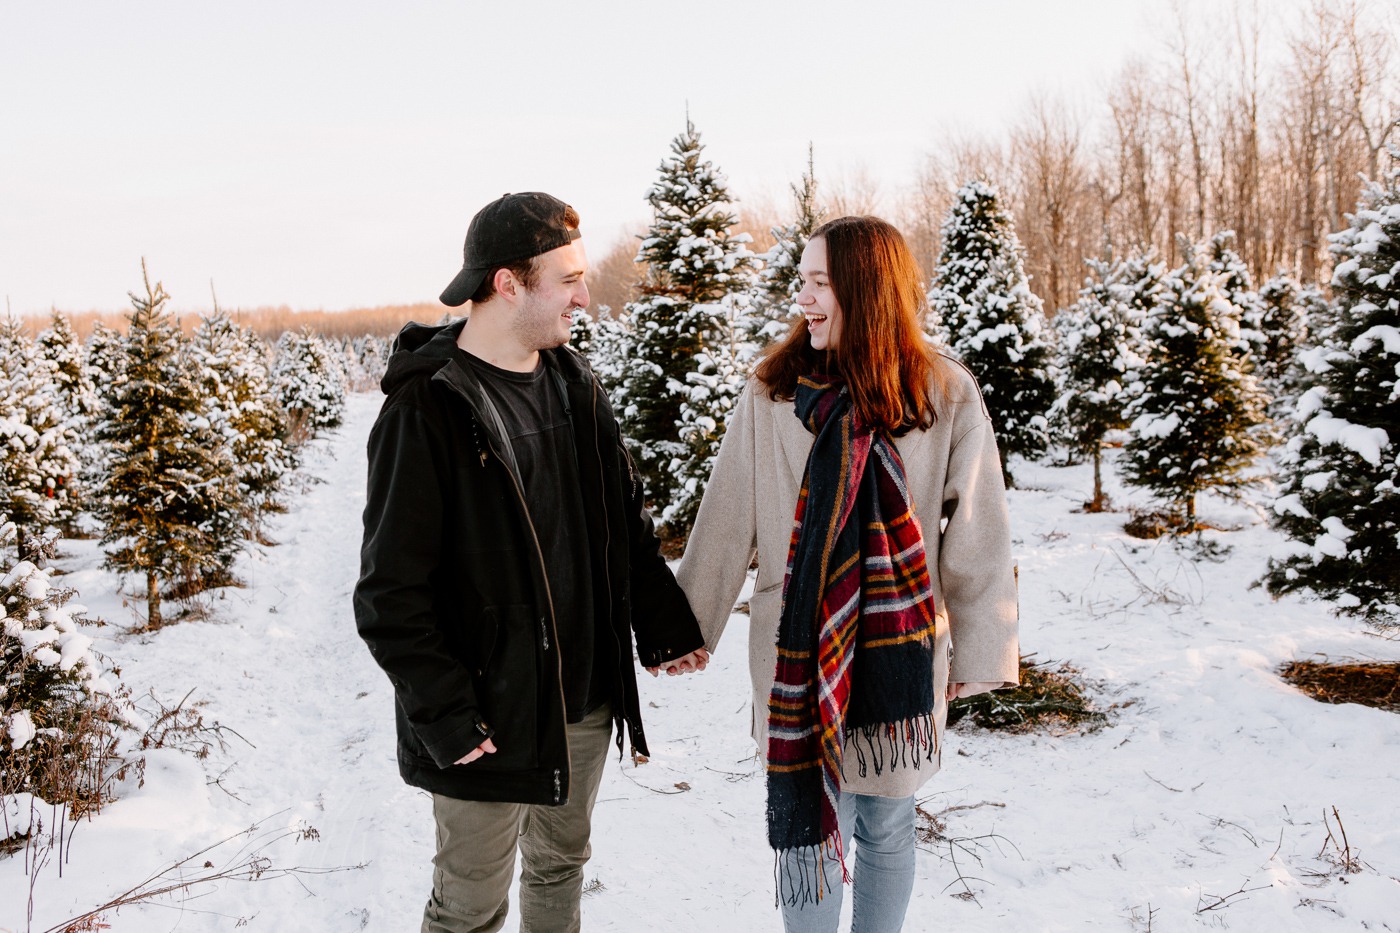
507	560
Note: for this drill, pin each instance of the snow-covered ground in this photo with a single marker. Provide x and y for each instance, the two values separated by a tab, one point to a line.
1200	807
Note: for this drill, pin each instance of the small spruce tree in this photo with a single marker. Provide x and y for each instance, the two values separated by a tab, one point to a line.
775	292
1339	501
986	313
1193	407
60	708
309	383
78	400
243	409
169	502
37	458
1100	347
693	260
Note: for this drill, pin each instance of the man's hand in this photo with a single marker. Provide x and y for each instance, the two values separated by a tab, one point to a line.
485	748
969	690
695	661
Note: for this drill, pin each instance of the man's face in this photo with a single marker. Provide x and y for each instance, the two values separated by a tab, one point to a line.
545	312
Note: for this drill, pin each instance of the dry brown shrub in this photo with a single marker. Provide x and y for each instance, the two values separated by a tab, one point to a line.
1375	684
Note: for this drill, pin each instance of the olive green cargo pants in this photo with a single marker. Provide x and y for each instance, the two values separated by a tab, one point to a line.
476	845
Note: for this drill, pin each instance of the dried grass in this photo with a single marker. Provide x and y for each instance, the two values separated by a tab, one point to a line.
1375	684
1047	700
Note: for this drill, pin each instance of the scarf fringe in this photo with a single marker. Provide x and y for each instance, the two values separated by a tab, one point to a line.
799	873
889	745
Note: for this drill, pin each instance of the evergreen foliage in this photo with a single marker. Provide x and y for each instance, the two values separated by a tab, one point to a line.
707	399
59	709
1194	405
1100	347
309	383
581	331
1339	502
169	501
987	315
1290	310
775	292
77	400
693	261
37	459
243	410
1237	285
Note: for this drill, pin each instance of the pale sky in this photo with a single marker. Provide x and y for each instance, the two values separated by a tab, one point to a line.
330	154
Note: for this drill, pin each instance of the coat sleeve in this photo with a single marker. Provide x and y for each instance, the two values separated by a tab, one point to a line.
979	587
394	610
723	541
661	617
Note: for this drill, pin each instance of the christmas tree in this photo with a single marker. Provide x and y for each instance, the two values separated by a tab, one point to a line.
37	458
1194	405
693	261
987	315
243	409
1339	503
777	284
1100	347
169	502
309	384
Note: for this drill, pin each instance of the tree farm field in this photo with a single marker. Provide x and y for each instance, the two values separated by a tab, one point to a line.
1216	796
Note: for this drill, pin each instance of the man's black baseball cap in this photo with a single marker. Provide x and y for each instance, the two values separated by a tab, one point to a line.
513	227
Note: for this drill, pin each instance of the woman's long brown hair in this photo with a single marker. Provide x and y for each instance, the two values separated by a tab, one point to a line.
892	369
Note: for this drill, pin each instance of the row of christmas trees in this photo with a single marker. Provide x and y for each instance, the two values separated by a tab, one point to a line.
1194	370
177	446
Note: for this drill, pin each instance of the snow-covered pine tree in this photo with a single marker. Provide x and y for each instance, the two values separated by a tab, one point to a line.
1289	309
581	330
309	383
37	458
708	398
986	313
1100	345
104	355
60	708
374	359
77	398
1237	285
243	408
1339	500
169	502
1193	406
777	285
693	260
608	341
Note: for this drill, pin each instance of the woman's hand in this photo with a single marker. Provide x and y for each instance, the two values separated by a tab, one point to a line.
970	690
695	661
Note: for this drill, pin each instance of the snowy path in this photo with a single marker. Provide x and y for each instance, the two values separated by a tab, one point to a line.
1209	785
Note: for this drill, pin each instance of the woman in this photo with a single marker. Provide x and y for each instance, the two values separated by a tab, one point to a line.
860	464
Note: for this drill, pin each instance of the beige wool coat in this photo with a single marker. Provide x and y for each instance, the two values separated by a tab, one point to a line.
956	484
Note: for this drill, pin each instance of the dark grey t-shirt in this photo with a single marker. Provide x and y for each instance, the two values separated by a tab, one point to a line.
542	439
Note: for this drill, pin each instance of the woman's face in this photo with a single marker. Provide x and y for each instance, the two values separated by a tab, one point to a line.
817	300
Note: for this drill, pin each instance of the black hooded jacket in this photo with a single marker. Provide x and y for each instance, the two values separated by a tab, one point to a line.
453	598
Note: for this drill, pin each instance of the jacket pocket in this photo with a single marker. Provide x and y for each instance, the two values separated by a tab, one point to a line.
507	688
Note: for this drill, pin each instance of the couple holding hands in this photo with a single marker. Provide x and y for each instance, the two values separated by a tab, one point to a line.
509	564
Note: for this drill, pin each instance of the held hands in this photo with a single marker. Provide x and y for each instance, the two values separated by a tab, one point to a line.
695	661
969	690
485	748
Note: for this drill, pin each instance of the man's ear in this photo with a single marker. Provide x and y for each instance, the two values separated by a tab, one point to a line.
505	283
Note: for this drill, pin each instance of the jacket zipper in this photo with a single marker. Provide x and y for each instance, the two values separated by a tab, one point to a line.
549	602
607	547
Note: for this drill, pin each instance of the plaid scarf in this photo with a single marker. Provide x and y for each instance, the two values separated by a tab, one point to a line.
855	638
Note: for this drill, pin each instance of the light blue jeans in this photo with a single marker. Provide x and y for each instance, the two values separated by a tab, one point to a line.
883	877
